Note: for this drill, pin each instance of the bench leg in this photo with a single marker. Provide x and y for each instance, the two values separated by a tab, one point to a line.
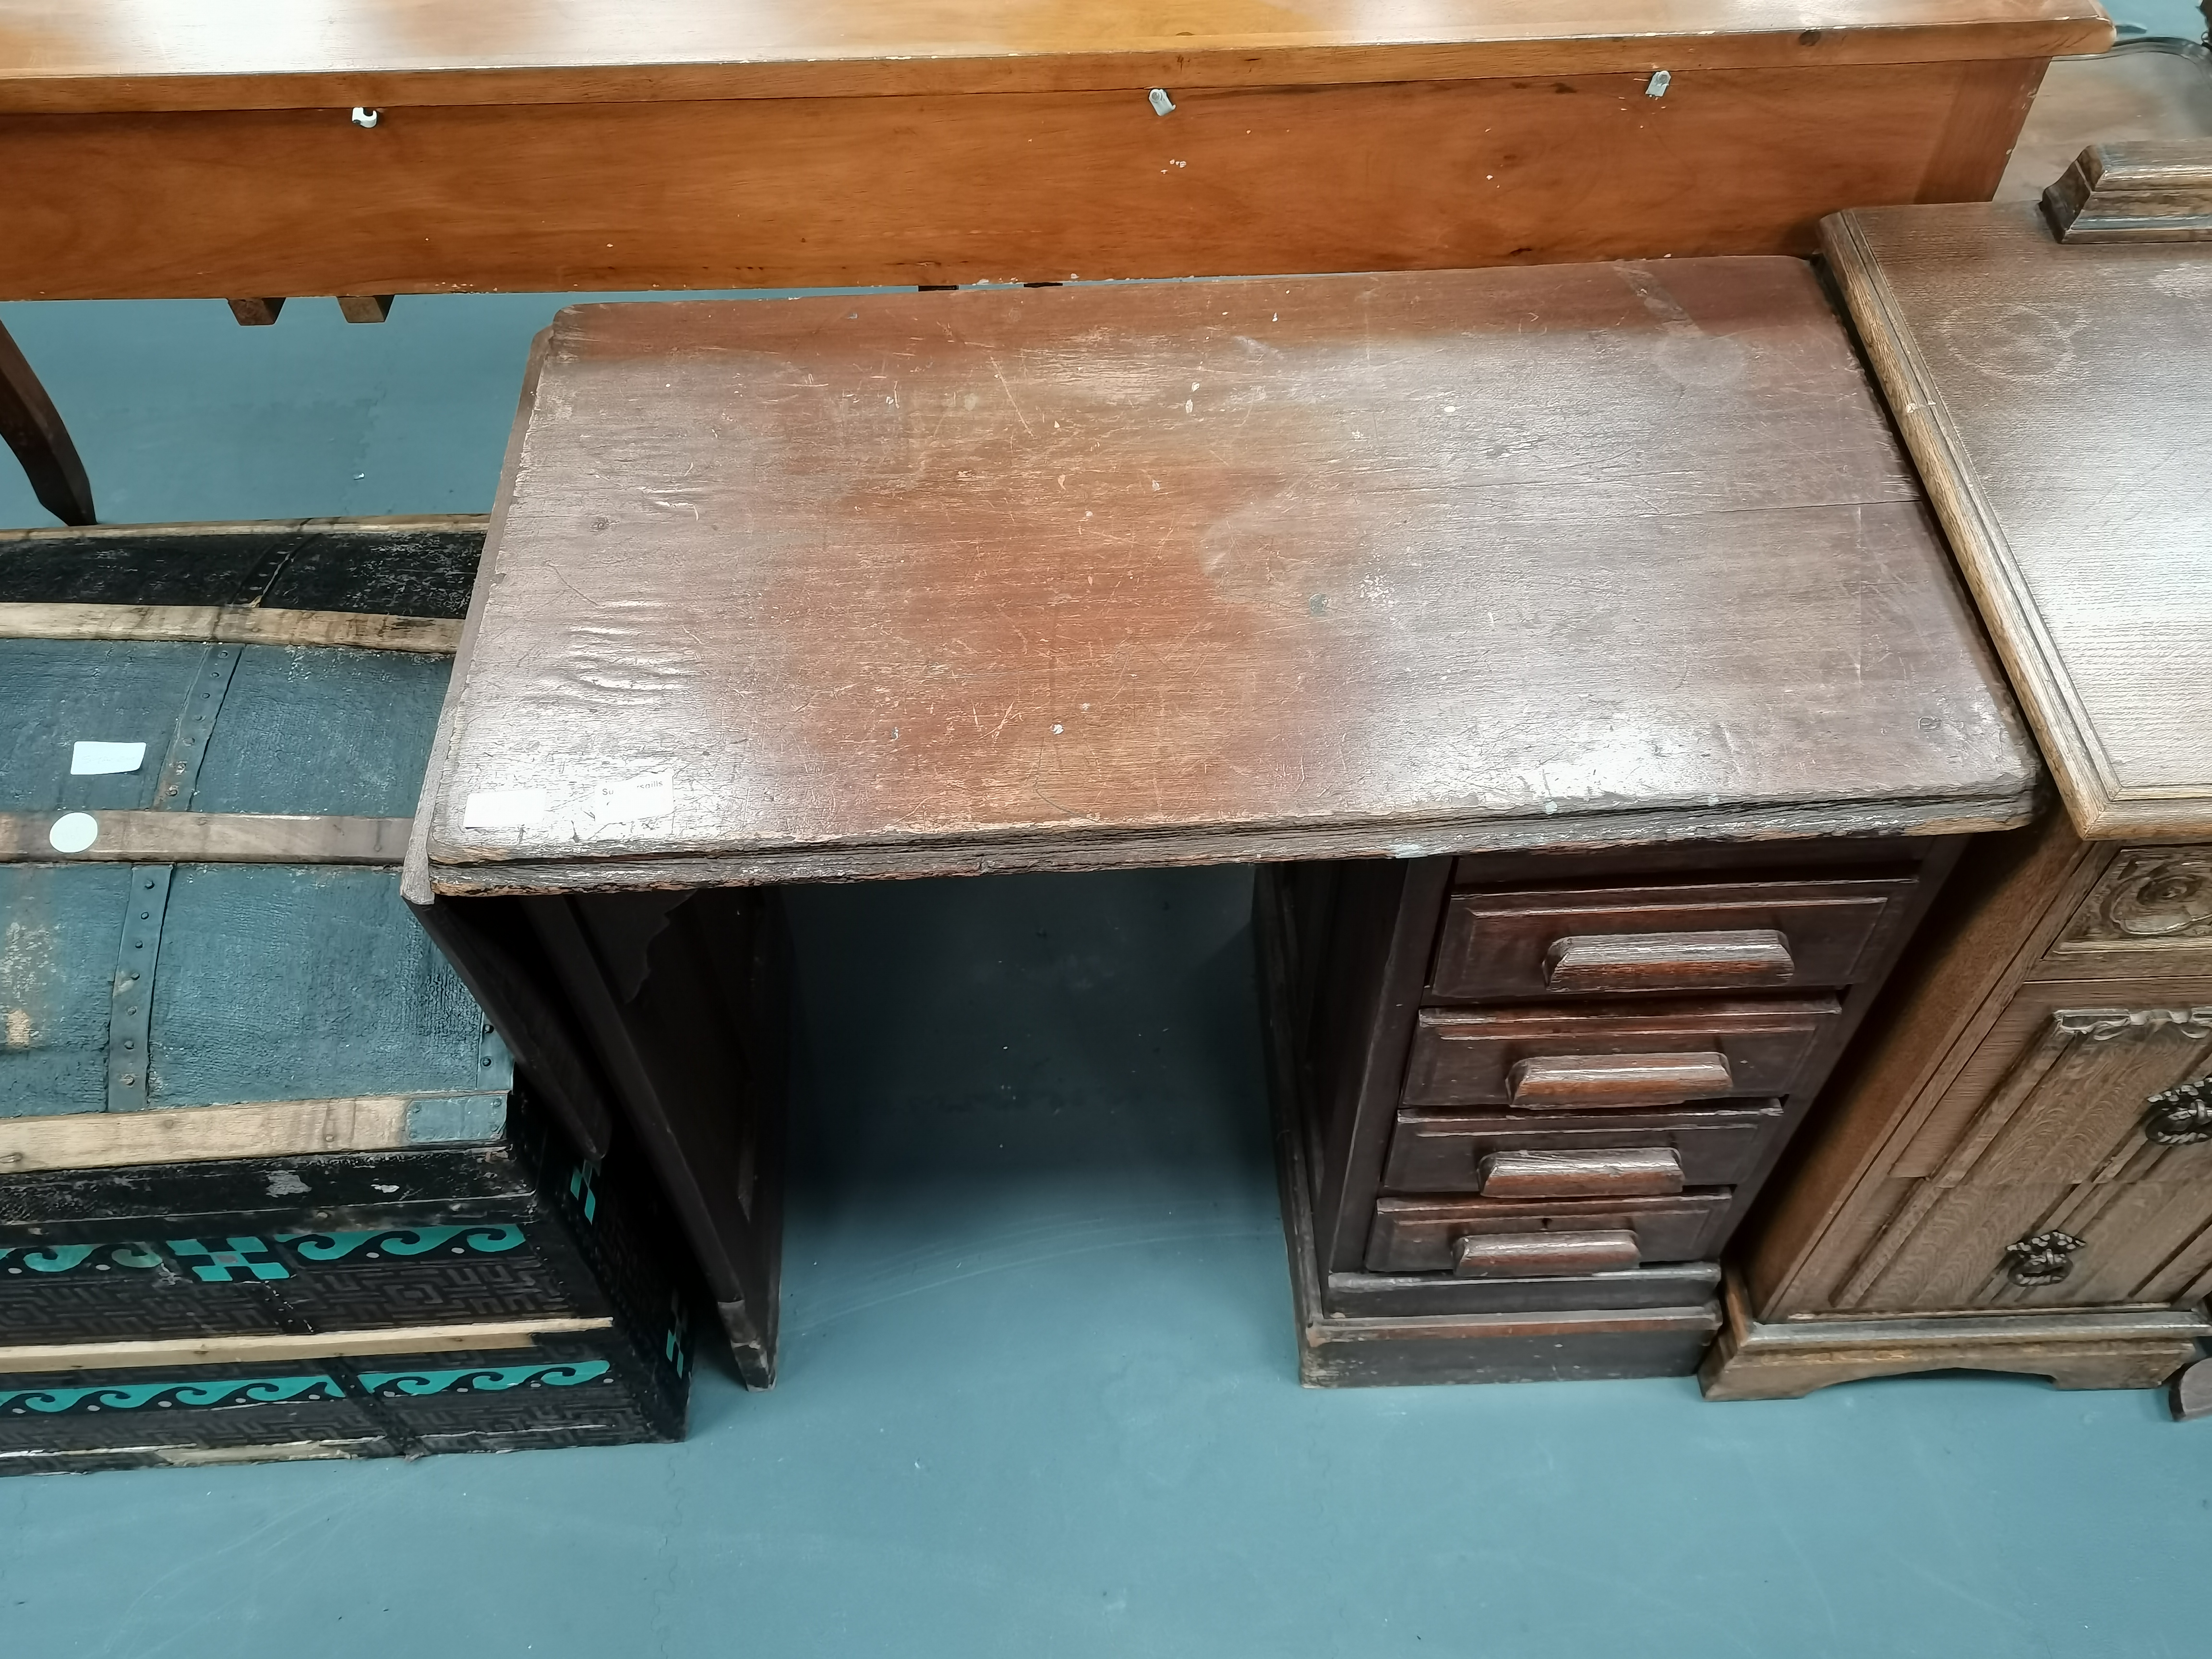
34	431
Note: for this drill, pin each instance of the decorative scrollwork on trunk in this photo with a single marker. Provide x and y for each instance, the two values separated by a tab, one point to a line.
2182	1115
2041	1259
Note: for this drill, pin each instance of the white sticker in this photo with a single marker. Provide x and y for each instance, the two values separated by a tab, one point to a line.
93	759
504	809
653	796
73	832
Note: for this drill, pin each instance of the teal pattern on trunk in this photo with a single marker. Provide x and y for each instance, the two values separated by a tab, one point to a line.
131	1397
478	1379
401	1241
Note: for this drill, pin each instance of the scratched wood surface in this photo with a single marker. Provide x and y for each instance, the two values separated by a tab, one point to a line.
2058	400
210	54
1080	577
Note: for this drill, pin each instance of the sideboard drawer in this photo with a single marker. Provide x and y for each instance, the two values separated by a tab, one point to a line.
1718	1147
1681	939
1421	1234
1582	1059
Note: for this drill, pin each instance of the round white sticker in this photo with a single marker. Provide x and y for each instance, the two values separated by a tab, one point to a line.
73	832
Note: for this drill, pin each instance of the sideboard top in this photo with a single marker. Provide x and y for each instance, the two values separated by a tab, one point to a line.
1183	572
216	54
2058	399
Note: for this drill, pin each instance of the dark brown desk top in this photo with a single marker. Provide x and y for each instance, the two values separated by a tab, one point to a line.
1205	572
86	55
2058	399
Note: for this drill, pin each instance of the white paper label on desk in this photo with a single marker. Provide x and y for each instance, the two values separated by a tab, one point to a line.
94	760
504	809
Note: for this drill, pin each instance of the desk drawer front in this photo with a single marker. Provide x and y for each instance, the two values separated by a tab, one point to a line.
1718	1147
1657	1055
1416	1235
1762	936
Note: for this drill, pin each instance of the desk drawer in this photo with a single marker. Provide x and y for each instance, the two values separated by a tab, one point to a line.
1715	1147
1606	941
1423	1234
1584	1059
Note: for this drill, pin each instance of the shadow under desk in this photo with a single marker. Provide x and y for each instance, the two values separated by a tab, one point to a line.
1572	644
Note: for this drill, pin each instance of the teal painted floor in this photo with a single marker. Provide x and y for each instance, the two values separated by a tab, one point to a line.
1038	1396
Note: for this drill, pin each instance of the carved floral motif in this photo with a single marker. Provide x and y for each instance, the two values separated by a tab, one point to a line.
2149	897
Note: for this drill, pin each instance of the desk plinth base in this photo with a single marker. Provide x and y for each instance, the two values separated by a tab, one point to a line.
1544	1338
2084	1348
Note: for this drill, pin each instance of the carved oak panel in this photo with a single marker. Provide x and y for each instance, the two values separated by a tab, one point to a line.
2085	1177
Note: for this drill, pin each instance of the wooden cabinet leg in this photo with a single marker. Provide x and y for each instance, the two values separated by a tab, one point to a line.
34	431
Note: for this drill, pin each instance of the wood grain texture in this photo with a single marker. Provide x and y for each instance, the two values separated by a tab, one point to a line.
1403	173
2057	1142
1585	1083
283	1128
1617	1172
171	837
228	624
1543	1255
33	428
204	54
1725	958
320	1344
2058	399
1205	572
1989	925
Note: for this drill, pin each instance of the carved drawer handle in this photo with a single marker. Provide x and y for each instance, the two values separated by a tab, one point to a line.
1668	962
1623	1172
2181	1116
1574	1083
2041	1259
1542	1255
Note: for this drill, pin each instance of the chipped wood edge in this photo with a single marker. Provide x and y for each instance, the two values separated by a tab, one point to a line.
228	624
445	871
416	886
2100	807
195	1134
156	837
321	1345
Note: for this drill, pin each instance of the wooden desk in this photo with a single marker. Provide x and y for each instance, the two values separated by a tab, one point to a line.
2015	1175
199	150
1367	572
